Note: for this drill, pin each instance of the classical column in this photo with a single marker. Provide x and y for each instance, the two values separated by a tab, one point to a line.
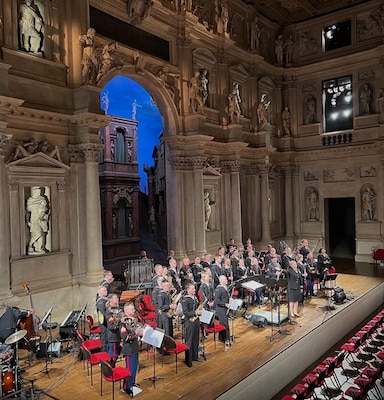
174	203
235	202
92	210
296	201
5	243
252	202
62	244
264	200
288	203
189	199
198	164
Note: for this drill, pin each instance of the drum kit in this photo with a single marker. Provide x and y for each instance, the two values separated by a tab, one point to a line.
9	364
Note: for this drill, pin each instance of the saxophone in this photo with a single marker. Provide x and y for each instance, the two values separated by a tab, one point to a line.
199	308
175	299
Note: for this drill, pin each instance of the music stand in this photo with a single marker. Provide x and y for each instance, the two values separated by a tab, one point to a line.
329	283
46	316
154	337
234	305
205	318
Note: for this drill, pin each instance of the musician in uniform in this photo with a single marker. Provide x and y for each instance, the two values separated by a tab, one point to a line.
101	309
172	274
197	269
216	270
108	279
165	305
155	297
191	311
205	293
113	327
304	249
221	299
158	271
311	270
130	331
295	288
185	273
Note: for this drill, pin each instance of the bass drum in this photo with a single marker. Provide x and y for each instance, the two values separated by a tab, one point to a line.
8	381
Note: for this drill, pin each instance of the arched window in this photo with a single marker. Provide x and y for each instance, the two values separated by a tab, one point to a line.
120	145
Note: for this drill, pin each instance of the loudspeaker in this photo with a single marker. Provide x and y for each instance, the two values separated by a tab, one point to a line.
53	349
339	295
258	320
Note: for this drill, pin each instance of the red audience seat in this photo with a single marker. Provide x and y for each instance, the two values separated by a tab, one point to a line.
377	256
113	375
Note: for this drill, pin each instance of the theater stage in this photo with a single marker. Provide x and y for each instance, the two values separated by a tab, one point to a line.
258	365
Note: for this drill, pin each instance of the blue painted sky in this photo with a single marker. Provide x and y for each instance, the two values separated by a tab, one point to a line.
122	92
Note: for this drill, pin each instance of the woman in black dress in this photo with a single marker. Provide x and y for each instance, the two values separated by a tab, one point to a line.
295	288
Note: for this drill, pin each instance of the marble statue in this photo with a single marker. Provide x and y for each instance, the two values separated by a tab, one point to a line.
255	35
207	209
204	85
52	151
287	120
25	149
107	61
289	47
31	27
89	60
279	49
368	202
262	111
312	205
234	101
37	220
310	110
195	93
366	98
380	105
222	17
134	108
138	10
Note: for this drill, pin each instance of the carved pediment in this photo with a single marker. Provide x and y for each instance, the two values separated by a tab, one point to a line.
209	170
38	161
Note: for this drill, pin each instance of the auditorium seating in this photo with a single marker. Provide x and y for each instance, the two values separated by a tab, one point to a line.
364	353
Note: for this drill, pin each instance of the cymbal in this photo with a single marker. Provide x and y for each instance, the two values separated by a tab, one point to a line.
15	337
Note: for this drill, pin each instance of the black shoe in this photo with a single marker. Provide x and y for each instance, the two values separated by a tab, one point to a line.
197	359
313	295
188	365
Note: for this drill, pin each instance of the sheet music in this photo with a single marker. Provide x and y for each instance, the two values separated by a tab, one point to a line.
153	337
235	304
206	316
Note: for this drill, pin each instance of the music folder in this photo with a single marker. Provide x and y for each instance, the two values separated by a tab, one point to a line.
206	316
252	285
235	304
153	336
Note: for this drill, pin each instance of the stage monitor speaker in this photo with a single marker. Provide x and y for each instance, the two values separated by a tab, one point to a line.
339	295
53	347
258	320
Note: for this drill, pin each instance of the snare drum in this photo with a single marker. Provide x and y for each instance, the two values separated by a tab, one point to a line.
8	381
6	353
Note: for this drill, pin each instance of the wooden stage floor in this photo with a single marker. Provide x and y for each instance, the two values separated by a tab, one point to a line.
222	369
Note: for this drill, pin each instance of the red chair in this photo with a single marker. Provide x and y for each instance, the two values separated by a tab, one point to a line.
171	346
91	344
148	305
377	256
146	315
93	329
216	328
94	359
305	391
113	375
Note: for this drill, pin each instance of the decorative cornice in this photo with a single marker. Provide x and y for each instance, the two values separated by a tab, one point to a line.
60	186
75	154
13	185
251	169
197	162
230	166
91	151
180	163
183	40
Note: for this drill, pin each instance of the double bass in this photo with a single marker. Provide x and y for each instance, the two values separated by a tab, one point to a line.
30	324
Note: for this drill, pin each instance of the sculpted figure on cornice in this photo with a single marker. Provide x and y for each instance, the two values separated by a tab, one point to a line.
31	26
308	44
168	80
263	112
27	148
255	40
122	193
4	143
138	10
221	17
279	49
205	12
376	22
97	61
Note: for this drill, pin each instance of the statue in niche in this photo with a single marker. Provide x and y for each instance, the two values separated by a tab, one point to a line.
366	98
89	60
368	203
279	49
234	101
289	47
129	152
114	224
255	36
310	110
138	10
262	112
31	27
204	85
222	17
207	209
195	93
38	212
130	225
312	200
380	105
286	117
